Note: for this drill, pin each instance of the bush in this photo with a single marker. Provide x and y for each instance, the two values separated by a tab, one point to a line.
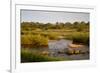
52	36
81	38
35	40
26	39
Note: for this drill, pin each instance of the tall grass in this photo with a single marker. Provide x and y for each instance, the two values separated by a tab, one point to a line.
34	40
79	37
30	56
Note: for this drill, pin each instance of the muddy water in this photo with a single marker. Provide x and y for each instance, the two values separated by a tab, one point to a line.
62	45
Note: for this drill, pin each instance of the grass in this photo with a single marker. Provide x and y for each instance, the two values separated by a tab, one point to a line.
42	37
36	35
33	56
82	38
79	37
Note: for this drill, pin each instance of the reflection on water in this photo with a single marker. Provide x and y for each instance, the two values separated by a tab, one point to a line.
59	44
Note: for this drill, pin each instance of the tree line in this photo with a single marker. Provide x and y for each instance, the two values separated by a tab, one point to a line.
58	25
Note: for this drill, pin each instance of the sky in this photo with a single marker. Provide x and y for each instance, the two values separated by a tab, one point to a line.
52	16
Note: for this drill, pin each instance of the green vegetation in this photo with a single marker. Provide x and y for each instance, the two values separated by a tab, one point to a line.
33	56
82	38
79	37
39	33
34	40
36	35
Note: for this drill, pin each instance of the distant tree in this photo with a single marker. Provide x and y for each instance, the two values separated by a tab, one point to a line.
88	23
75	25
82	23
57	23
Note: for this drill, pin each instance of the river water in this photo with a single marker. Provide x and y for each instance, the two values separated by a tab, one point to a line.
62	45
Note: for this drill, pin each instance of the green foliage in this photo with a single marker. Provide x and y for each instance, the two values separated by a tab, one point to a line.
79	37
26	39
29	56
82	38
52	36
38	34
35	40
57	25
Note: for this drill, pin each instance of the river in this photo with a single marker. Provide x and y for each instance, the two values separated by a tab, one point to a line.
58	48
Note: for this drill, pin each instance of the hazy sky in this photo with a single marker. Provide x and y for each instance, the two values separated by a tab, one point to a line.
52	17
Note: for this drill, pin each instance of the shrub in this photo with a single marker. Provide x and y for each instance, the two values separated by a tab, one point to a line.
52	36
82	38
35	40
79	37
26	39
